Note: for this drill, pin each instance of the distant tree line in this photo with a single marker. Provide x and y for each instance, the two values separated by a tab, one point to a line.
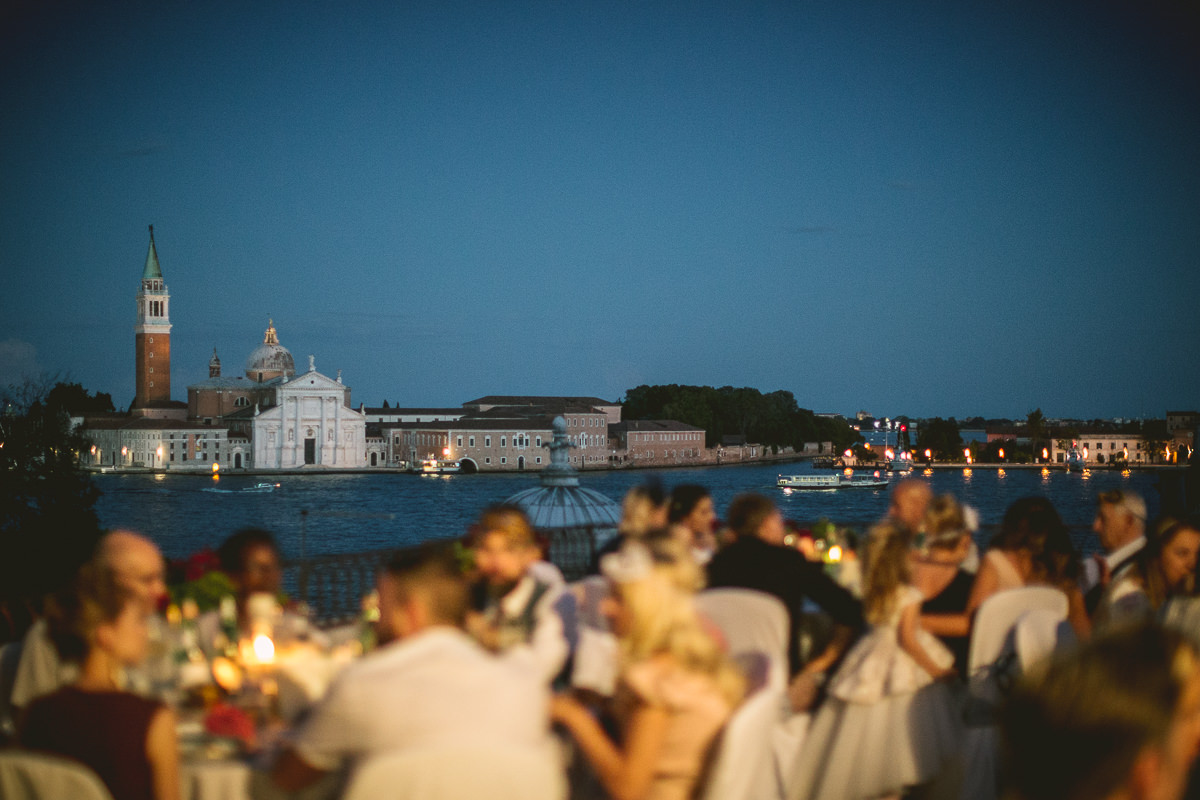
774	420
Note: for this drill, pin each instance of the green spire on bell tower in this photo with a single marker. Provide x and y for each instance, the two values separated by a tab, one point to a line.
152	271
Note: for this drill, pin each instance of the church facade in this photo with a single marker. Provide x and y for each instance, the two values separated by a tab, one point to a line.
285	420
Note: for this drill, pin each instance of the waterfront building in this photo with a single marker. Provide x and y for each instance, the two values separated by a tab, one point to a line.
1102	448
479	444
123	441
657	442
397	414
1182	427
497	433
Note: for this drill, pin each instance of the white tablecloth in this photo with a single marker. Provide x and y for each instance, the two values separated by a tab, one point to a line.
215	780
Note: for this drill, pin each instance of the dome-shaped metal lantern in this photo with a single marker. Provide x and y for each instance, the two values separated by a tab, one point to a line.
576	521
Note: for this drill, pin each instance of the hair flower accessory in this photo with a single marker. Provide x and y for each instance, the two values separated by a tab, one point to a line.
970	518
631	563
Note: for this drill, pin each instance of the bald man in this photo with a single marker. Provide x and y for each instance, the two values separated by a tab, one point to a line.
138	566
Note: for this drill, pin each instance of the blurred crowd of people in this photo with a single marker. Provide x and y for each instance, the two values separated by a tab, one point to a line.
626	683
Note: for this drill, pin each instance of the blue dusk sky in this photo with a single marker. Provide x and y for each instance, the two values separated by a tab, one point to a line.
918	208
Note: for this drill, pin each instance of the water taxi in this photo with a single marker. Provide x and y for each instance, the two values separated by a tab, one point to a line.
828	483
436	466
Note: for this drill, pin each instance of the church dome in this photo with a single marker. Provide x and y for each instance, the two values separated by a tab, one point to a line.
270	359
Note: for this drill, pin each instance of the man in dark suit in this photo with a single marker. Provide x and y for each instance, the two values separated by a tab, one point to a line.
758	559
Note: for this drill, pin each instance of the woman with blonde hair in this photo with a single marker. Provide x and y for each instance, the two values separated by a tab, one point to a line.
675	692
937	568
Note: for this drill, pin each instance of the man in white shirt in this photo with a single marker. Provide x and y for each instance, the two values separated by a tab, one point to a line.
1120	525
138	566
429	684
520	599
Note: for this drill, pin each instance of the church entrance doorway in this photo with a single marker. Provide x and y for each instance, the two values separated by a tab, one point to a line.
310	451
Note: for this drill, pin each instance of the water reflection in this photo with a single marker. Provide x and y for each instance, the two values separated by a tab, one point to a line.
366	511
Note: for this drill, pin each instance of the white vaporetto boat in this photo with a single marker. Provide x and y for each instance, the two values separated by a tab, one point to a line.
829	483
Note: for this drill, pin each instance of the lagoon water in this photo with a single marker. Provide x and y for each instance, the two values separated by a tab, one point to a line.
317	514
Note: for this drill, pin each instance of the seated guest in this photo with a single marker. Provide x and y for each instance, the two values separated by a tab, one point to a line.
1032	548
137	565
909	502
938	573
1116	717
428	683
691	509
127	740
1120	525
251	559
1163	569
676	689
515	606
758	559
644	508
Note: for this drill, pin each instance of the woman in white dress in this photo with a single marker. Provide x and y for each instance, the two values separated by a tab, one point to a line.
890	721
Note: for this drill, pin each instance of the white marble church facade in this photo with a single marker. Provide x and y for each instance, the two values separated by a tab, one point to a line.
278	419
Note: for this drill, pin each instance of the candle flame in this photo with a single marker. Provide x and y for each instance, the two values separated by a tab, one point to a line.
264	649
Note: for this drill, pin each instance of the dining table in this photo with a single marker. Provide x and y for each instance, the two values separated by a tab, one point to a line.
227	747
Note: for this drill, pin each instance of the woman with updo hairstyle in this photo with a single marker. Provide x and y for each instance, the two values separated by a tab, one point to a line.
128	740
644	508
938	573
676	688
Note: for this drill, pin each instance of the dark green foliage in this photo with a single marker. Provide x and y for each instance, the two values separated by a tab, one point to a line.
47	522
774	420
74	399
942	437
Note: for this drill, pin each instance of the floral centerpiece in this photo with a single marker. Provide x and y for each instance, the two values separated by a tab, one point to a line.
199	578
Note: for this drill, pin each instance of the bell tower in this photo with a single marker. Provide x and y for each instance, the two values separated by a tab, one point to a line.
152	336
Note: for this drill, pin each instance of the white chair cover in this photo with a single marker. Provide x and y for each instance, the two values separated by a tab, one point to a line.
1038	633
495	771
36	776
1013	629
743	766
991	637
751	622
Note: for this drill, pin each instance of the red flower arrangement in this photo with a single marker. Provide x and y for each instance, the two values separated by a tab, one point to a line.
231	722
